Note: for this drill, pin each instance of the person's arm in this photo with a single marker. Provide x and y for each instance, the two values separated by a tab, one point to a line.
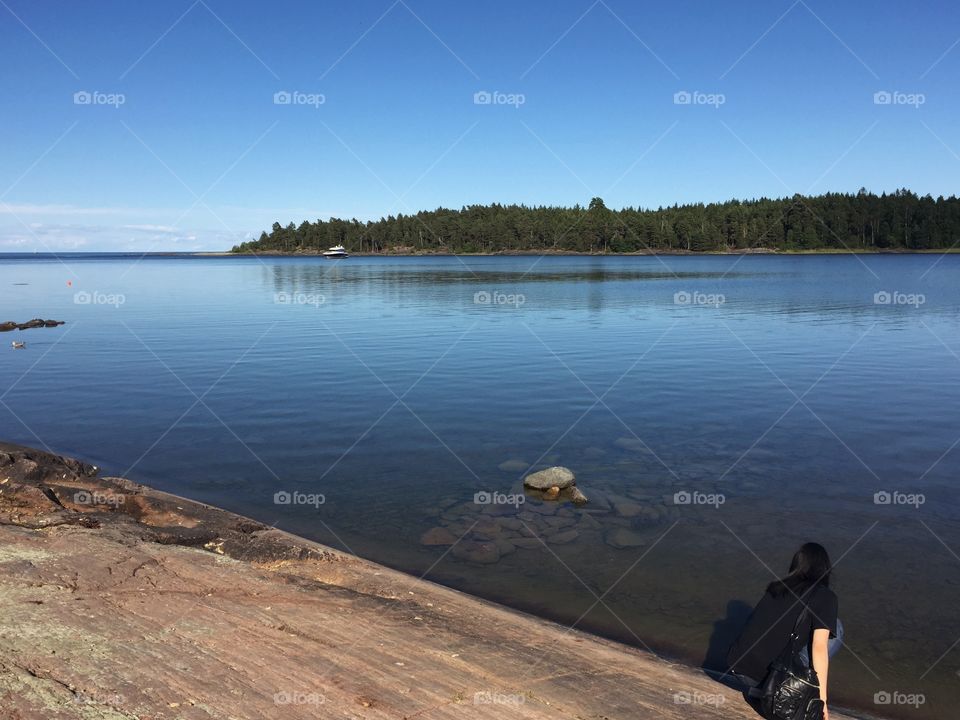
821	663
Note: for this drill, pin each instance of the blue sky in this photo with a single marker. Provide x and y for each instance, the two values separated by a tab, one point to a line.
182	145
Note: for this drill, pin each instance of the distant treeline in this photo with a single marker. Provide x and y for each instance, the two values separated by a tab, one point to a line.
838	221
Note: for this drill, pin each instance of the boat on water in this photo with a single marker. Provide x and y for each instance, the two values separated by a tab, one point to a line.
337	251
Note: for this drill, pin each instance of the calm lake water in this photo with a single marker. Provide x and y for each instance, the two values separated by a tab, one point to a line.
781	394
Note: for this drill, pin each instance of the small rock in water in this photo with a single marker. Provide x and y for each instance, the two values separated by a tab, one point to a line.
551	493
623	538
560	477
437	536
513	465
577	497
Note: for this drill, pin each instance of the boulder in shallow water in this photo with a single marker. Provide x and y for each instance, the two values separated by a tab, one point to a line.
437	536
560	477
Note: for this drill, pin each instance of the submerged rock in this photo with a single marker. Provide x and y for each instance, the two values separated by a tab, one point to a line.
634	444
562	538
626	508
527	543
513	465
560	477
623	538
437	536
482	553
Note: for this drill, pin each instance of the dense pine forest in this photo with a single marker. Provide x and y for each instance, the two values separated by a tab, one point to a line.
835	221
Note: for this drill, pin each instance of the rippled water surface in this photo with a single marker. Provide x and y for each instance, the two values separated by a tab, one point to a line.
776	388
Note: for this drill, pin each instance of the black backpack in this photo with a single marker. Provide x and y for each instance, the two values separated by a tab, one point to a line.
791	690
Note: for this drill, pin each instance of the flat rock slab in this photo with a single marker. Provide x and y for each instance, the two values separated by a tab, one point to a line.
103	620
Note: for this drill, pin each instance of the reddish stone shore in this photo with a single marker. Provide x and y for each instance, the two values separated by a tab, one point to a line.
120	601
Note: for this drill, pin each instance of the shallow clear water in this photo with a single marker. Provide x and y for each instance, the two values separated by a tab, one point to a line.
392	388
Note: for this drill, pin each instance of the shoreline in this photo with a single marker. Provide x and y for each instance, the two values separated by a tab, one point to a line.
565	253
131	601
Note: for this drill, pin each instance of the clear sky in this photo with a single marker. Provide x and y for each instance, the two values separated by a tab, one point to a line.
179	143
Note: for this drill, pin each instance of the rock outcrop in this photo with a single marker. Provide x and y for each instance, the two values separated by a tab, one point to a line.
35	323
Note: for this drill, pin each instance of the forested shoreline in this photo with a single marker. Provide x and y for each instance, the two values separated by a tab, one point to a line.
861	222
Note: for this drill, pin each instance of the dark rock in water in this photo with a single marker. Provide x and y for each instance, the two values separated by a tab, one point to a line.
35	323
560	477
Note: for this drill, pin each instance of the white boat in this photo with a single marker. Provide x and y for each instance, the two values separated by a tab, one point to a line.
337	251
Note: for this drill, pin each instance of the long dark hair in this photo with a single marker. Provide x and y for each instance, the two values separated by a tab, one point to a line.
810	566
